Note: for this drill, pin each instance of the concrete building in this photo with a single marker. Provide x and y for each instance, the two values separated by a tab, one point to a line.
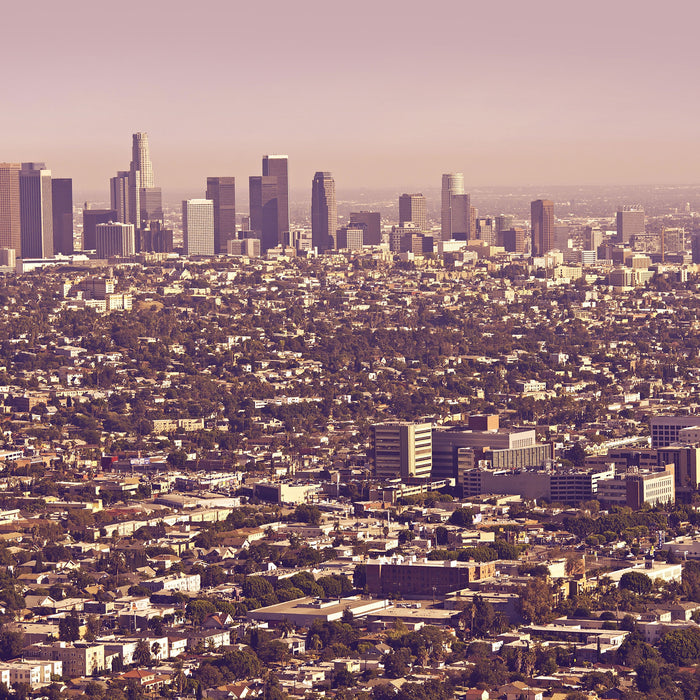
402	450
114	239
665	430
222	192
324	214
629	222
412	210
36	211
372	221
424	578
633	489
542	219
198	226
452	184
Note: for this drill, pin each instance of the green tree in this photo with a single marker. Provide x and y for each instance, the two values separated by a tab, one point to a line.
636	581
142	653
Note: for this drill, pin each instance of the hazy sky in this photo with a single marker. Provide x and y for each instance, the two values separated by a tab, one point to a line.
381	93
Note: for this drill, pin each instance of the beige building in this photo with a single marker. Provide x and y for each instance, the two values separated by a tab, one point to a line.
403	450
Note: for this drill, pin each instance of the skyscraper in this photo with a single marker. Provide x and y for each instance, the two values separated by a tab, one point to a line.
452	184
198	226
222	191
372	221
141	159
145	199
324	215
462	223
542	217
278	167
91	219
263	210
62	215
114	239
10	227
412	210
630	222
36	211
119	196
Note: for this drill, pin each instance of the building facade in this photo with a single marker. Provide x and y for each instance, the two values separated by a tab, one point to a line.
324	214
222	192
542	220
198	226
403	450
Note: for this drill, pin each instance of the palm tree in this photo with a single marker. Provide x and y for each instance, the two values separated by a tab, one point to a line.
155	650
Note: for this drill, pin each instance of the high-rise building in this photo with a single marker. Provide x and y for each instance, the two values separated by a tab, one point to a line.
350	237
62	215
145	199
592	237
222	191
542	216
452	184
119	196
513	240
324	215
10	226
630	223
372	221
503	222
91	219
462	218
36	211
141	159
155	239
484	230
198	226
151	205
412	210
278	167
403	450
263	210
114	239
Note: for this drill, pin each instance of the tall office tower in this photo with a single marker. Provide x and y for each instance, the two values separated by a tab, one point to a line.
222	191
462	223
10	227
592	238
403	450
513	240
695	248
91	219
151	205
145	199
324	215
114	239
485	230
156	239
198	226
278	166
503	222
263	210
412	210
141	159
562	237
452	184
36	211
542	216
62	215
373	225
350	237
119	196
630	222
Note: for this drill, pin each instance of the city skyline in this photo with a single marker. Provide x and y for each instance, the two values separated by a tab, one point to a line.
592	104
